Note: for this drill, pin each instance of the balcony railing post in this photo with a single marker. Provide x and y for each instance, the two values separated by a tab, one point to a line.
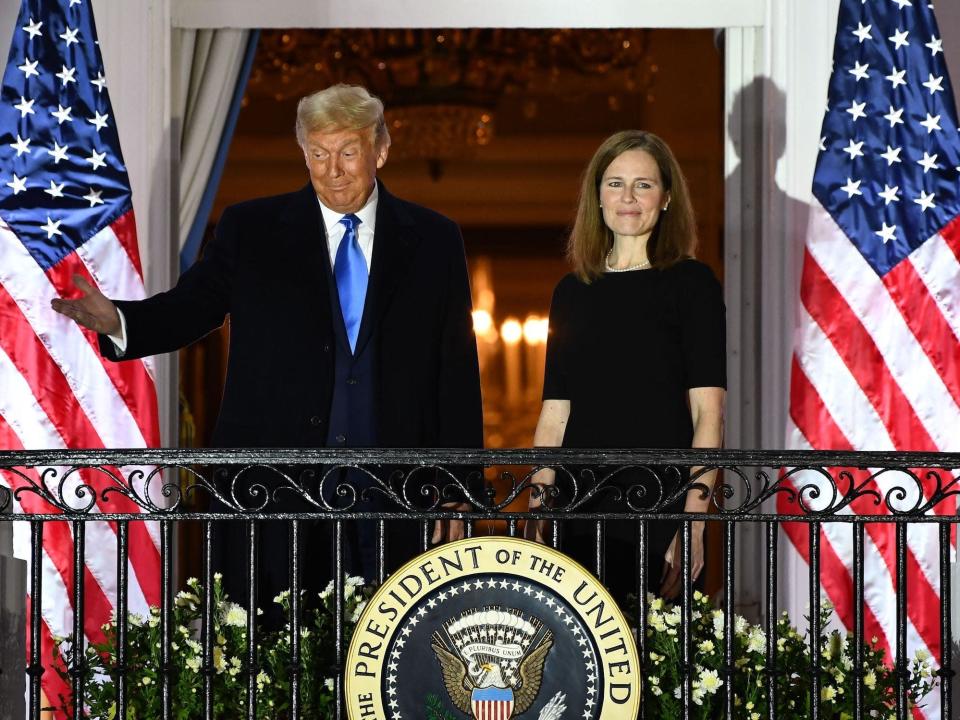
946	634
79	669
858	538
338	652
816	629
643	552
35	669
600	536
771	618
123	539
686	642
729	562
295	619
253	575
166	610
902	666
207	620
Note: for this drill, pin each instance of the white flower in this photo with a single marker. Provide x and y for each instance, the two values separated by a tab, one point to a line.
219	663
355	581
233	615
657	623
135	620
358	611
281	597
718	624
756	640
707	646
870	679
739	624
329	684
656	691
710	681
262	679
146	680
187	600
193	663
327	591
676	692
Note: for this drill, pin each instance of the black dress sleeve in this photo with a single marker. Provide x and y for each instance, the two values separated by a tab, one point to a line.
554	373
703	327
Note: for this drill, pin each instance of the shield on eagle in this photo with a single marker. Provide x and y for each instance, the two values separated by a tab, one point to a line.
492	703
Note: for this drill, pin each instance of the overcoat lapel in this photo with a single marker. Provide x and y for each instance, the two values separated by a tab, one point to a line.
394	243
303	226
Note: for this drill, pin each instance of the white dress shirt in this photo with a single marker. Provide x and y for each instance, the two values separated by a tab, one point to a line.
335	232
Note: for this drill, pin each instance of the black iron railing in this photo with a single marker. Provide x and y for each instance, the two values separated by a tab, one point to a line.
256	486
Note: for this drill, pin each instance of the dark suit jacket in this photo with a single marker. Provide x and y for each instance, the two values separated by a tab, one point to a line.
267	269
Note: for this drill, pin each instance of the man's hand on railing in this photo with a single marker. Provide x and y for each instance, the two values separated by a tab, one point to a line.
671	584
92	310
449	530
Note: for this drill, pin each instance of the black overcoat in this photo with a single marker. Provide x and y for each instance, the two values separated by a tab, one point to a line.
267	269
267	273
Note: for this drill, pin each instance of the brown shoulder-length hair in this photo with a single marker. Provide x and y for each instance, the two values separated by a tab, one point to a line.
675	235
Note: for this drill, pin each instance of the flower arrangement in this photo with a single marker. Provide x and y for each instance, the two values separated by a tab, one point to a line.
751	700
229	651
663	673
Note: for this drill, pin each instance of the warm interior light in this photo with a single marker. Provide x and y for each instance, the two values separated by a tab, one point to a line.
511	331
482	322
535	330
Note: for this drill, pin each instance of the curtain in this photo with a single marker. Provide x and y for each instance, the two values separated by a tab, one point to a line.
210	71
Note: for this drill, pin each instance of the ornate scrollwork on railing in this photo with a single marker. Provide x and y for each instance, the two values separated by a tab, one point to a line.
6	499
643	483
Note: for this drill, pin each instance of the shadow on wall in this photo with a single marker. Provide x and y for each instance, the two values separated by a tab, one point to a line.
771	226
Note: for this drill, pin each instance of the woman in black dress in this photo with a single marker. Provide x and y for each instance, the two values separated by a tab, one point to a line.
636	353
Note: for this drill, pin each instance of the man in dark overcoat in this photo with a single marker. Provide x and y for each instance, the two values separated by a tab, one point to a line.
350	326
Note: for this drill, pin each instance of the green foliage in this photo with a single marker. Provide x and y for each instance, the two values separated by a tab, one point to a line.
228	667
435	709
751	700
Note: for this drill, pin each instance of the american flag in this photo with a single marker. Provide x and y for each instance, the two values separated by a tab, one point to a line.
877	352
65	210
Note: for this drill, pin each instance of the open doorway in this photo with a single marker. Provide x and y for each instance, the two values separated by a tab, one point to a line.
493	129
506	169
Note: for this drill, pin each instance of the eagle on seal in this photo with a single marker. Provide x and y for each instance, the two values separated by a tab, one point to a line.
469	693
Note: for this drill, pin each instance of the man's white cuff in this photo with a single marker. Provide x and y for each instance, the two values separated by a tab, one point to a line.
120	341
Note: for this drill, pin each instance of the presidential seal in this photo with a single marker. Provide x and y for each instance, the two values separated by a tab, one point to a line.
492	628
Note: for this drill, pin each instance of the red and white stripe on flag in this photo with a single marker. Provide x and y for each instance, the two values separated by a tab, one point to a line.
65	211
492	709
876	362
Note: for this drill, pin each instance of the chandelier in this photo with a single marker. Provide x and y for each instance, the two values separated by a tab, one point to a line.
441	87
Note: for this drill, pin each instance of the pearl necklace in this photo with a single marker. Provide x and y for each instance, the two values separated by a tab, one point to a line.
628	268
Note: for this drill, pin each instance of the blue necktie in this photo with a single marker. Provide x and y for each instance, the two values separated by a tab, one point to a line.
350	271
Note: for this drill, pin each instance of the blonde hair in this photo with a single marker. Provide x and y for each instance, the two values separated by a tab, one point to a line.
675	235
342	107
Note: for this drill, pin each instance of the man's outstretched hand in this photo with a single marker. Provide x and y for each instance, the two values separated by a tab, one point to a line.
92	310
